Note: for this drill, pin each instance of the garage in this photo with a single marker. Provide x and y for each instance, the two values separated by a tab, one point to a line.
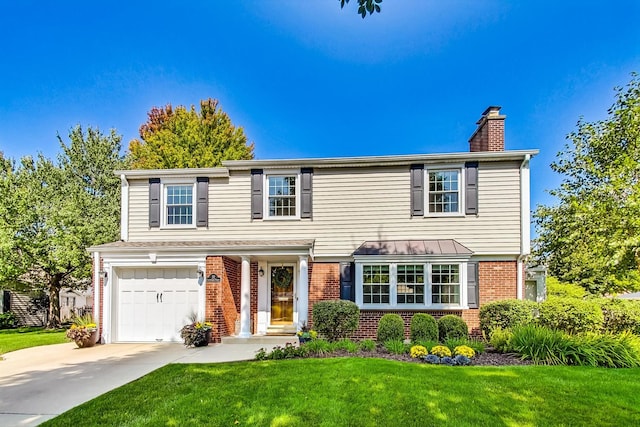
154	303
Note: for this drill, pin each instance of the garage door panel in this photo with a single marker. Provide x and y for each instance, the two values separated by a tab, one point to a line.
155	303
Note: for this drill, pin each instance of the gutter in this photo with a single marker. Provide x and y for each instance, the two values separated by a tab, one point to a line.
525	224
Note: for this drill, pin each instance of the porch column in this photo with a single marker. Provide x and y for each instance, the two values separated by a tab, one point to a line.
303	292
245	299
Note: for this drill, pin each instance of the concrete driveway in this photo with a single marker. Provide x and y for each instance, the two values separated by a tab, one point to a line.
39	383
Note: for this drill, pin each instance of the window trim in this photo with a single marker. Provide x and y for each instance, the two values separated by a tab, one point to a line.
163	203
457	167
393	284
265	190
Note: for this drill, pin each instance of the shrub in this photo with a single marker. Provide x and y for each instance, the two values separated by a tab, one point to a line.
418	351
8	320
395	346
571	315
476	345
345	345
620	315
390	327
447	361
433	359
367	345
289	351
506	314
441	351
501	340
564	290
464	350
423	328
336	319
540	344
461	360
452	326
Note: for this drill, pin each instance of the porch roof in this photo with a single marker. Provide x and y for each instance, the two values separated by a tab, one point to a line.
206	245
436	247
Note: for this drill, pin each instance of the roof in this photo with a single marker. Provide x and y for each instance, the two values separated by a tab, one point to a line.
413	247
332	162
210	245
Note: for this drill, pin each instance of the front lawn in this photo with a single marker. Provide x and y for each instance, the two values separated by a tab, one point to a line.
367	392
17	339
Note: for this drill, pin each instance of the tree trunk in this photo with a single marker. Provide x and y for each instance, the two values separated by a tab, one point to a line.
54	303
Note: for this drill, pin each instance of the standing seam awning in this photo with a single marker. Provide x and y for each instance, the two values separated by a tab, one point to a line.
436	247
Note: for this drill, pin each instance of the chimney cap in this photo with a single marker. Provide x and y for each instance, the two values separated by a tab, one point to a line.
492	110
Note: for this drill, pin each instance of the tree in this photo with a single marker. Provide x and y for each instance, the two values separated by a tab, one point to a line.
184	138
592	236
53	212
365	6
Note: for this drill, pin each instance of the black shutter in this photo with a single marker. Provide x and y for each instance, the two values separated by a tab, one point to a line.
256	193
347	281
417	190
202	201
473	294
471	188
154	202
6	301
306	193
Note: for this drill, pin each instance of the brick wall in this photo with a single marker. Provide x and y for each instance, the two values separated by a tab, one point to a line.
489	136
368	327
221	307
324	284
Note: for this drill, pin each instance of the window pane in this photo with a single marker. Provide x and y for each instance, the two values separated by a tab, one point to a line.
410	281
282	195
179	204
444	191
376	284
445	284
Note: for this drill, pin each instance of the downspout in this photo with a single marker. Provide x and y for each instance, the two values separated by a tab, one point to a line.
96	291
124	208
525	224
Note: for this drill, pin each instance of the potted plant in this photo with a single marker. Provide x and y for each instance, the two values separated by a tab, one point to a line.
83	331
305	334
196	333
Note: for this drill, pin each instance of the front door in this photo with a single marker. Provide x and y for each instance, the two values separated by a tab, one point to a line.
282	294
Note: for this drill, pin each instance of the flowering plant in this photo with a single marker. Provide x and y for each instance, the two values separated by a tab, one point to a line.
196	333
82	330
464	350
306	334
418	351
441	351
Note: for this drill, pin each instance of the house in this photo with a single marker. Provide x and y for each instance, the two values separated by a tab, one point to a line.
251	246
75	302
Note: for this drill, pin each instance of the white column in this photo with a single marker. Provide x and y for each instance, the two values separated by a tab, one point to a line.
245	299
303	292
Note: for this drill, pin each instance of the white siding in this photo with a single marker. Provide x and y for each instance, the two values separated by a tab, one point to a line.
349	207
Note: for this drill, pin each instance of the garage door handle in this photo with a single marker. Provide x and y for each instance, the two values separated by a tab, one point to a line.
160	296
157	297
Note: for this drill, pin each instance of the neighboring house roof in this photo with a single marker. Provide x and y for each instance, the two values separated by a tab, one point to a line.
634	295
210	245
413	247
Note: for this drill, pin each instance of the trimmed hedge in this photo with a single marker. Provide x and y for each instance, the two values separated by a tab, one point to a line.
423	328
506	314
571	315
391	328
620	315
335	319
452	327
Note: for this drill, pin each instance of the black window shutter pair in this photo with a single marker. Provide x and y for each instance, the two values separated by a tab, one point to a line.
306	193
470	191
473	294
202	202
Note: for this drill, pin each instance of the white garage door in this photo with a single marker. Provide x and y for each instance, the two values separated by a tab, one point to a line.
154	303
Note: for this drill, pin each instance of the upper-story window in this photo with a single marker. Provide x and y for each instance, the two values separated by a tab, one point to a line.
444	191
178	204
282	196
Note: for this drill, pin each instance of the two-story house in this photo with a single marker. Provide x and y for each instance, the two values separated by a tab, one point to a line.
252	245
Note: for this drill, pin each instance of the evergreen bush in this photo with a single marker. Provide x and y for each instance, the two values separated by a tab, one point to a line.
452	327
506	314
391	327
423	328
335	319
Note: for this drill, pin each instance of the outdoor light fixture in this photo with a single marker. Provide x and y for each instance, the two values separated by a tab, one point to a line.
200	277
103	275
261	272
213	278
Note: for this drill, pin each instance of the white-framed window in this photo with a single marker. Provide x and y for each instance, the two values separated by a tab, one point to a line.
444	186
178	204
411	285
283	196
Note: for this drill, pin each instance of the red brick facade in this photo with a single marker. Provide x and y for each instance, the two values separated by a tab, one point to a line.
490	133
324	284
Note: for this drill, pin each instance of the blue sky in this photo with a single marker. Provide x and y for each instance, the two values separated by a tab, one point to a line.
307	79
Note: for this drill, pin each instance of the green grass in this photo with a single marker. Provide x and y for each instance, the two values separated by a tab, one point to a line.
17	339
366	392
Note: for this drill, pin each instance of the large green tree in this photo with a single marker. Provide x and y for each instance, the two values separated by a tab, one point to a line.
52	211
181	138
592	235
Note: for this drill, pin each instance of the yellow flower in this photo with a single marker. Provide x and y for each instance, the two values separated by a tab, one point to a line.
464	350
418	351
441	351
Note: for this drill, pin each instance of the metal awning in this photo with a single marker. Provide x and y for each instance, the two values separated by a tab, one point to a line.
436	247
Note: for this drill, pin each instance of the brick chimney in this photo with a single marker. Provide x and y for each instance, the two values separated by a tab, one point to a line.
490	133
